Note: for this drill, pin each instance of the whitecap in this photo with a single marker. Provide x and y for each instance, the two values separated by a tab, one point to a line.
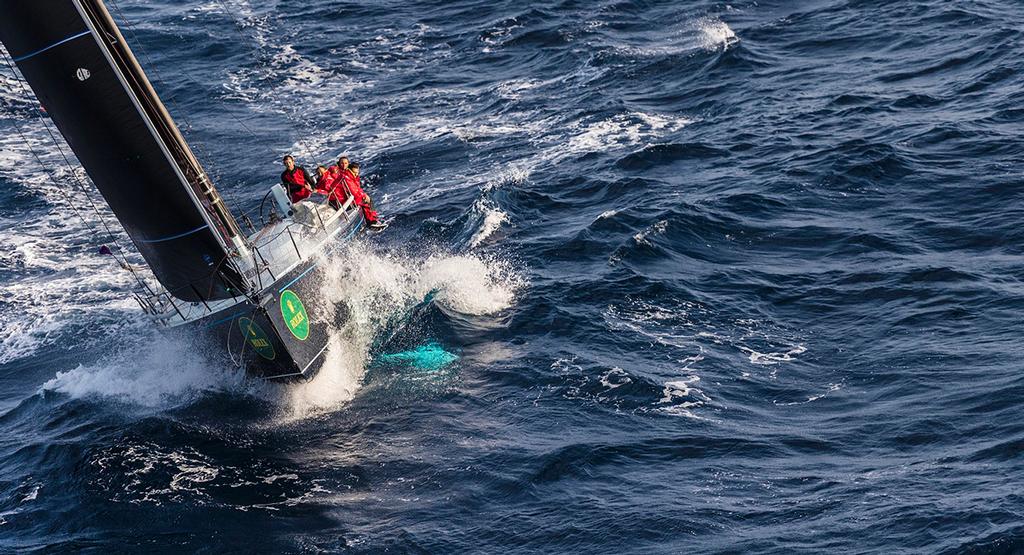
643	237
379	287
715	34
493	218
679	397
621	131
773	358
161	372
615	378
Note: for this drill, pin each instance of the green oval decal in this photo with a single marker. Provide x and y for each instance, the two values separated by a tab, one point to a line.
256	337
294	315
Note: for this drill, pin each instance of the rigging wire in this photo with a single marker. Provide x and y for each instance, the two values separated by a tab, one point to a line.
64	156
203	175
112	237
123	261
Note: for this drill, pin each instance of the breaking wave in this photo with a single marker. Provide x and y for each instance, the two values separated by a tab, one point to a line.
715	34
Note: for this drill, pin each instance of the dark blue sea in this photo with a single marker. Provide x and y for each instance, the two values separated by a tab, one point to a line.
660	277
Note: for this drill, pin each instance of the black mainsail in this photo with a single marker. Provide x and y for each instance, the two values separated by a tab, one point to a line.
89	82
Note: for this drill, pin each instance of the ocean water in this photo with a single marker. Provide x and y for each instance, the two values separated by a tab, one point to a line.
661	277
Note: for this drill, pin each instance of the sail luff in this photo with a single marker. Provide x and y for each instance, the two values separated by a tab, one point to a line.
135	79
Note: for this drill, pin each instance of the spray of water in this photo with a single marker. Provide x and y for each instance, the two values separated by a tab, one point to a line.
154	371
377	288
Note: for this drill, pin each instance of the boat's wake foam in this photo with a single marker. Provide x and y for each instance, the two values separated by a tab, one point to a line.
156	372
376	289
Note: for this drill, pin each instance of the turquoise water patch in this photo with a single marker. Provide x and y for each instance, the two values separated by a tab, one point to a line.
431	357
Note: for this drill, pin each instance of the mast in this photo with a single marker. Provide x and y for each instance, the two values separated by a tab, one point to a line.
75	59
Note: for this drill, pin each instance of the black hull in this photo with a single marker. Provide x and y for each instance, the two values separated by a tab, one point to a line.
286	335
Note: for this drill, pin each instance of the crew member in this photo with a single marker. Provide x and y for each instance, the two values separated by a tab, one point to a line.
296	180
352	183
340	194
330	184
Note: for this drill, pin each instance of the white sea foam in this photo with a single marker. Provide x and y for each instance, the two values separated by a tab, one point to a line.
620	132
679	388
832	388
145	472
513	90
20	499
615	378
492	220
715	34
21	339
773	358
457	119
705	33
13	90
496	37
159	372
643	237
681	396
515	174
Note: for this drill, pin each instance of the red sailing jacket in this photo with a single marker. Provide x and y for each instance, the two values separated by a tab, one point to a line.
338	191
328	181
296	181
362	199
354	187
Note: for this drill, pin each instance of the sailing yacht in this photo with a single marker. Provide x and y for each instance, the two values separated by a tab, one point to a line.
255	294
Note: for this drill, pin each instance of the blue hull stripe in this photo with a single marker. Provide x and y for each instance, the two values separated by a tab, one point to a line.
173	237
228	319
297	278
54	45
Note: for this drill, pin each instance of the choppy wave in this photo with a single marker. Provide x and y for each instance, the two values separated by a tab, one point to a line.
56	278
